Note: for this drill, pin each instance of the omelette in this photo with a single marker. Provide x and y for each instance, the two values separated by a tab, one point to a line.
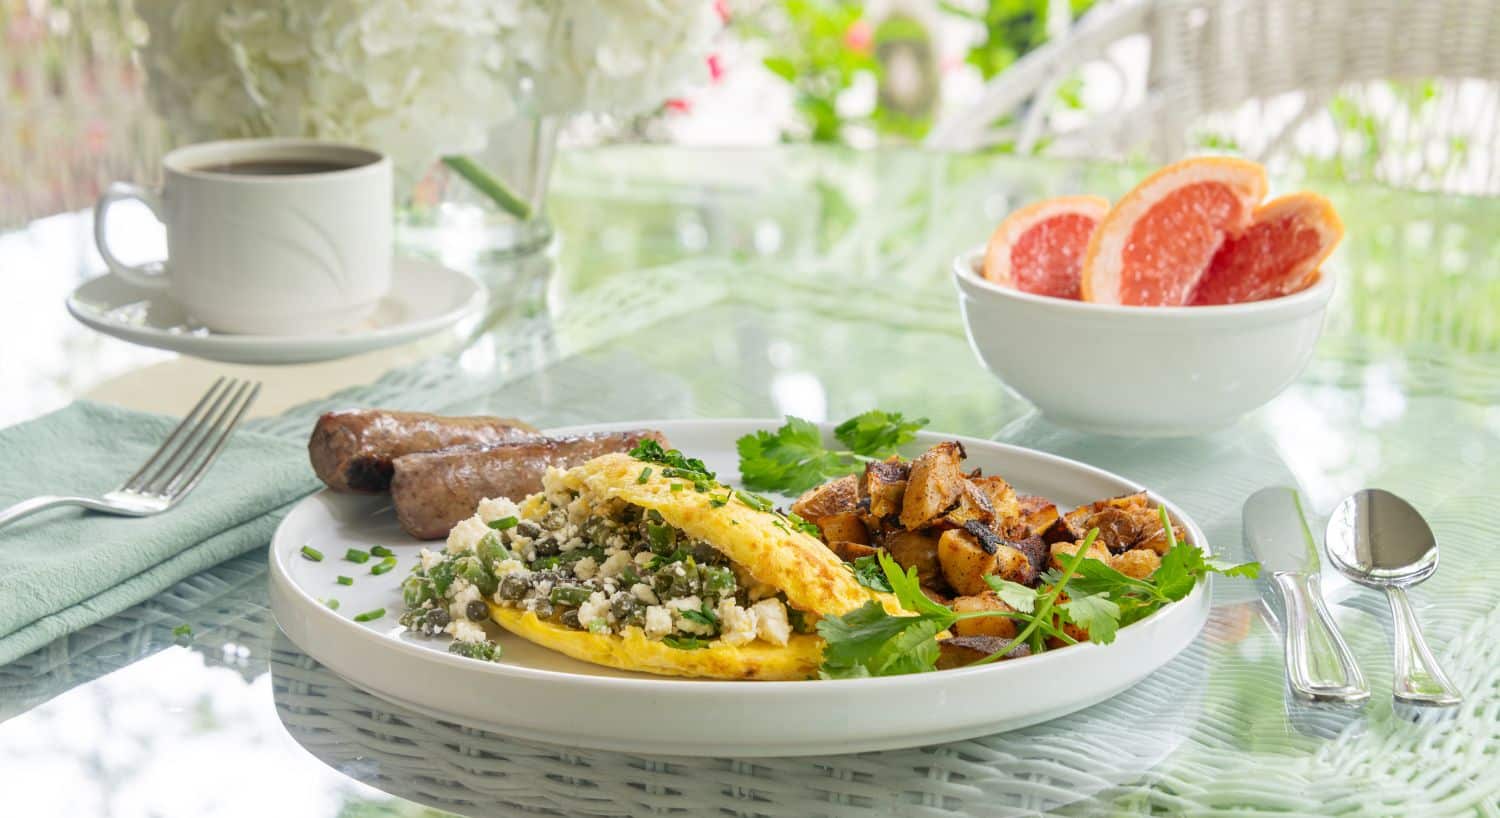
640	566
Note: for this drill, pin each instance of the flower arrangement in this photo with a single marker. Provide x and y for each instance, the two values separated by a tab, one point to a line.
418	79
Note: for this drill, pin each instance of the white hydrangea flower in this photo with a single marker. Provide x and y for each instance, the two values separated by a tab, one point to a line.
417	79
622	57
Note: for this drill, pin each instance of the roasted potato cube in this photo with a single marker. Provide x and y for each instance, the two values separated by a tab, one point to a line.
919	550
1038	513
839	496
1118	530
1037	554
960	651
851	551
1156	538
884	486
1065	550
1000	626
1137	562
966	562
935	484
1003	501
1063	530
973	506
848	526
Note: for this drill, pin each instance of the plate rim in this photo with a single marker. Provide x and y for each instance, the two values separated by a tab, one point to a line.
678	686
241	346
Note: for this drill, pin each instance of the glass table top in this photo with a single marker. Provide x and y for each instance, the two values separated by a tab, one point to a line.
815	282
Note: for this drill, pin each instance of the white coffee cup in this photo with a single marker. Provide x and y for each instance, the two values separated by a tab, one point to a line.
267	236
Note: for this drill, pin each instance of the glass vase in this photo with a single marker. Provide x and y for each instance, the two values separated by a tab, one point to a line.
487	209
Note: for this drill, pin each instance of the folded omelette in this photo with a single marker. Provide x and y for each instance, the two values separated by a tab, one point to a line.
631	565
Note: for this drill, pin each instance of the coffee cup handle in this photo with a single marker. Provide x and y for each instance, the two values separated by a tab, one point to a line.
150	274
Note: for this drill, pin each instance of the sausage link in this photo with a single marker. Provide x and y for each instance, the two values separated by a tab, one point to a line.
353	450
432	491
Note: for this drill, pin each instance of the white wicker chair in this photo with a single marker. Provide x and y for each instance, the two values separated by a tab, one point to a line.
1405	92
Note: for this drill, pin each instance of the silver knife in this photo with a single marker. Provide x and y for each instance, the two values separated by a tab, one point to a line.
1319	665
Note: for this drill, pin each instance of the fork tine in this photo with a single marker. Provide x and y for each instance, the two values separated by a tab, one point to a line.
174	491
172	464
188	421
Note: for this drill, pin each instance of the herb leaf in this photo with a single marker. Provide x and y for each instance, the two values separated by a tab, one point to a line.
1014	594
1095	613
867	572
793	459
876	433
684	642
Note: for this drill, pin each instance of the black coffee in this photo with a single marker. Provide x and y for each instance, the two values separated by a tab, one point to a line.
276	167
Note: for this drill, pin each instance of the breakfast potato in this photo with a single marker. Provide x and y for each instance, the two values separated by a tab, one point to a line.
961	651
1038	513
1003	500
839	496
935	484
1156	538
883	487
919	550
1118	530
1000	626
851	551
848	526
1137	562
1065	550
973	506
965	562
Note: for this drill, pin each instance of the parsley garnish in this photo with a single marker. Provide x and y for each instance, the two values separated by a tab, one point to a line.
805	526
792	459
868	573
868	641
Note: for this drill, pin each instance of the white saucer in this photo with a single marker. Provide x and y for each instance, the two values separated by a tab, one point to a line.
425	297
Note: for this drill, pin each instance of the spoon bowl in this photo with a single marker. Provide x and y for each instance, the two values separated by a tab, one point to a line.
1380	541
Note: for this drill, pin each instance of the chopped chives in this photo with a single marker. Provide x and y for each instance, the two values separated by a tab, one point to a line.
333	604
677	487
343	580
384	565
504	523
645	475
183	630
382	551
312	553
356	555
369	616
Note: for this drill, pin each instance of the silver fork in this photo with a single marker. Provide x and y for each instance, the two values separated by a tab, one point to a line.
173	470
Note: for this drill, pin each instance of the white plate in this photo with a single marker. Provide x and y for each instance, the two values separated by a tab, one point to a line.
538	694
424	298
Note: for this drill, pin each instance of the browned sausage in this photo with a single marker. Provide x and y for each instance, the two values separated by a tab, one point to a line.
432	491
352	450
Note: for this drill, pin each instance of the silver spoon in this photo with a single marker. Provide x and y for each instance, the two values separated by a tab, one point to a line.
1378	540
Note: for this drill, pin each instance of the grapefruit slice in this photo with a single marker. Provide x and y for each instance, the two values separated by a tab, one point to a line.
1039	248
1156	243
1278	254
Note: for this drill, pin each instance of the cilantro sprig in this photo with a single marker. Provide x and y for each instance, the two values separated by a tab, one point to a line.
793	459
1085	593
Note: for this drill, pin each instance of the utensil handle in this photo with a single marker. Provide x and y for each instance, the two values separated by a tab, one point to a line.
1419	679
1318	662
26	508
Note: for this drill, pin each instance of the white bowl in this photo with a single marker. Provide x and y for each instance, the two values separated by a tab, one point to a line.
1139	371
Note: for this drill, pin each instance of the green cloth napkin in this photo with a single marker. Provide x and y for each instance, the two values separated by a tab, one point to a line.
66	569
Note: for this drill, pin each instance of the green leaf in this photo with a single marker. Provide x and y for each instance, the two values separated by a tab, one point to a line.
876	433
791	459
1249	570
908	589
856	637
1095	613
1179	572
867	572
1014	594
684	642
781	67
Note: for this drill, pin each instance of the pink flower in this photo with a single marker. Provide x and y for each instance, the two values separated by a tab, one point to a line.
715	67
859	37
722	7
679	105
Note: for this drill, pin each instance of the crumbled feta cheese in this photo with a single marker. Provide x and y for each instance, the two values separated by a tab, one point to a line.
465	631
466	535
616	563
643	592
585	568
430	559
644	557
658	621
771	623
595	607
460	594
510	566
737	624
686	603
497	508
